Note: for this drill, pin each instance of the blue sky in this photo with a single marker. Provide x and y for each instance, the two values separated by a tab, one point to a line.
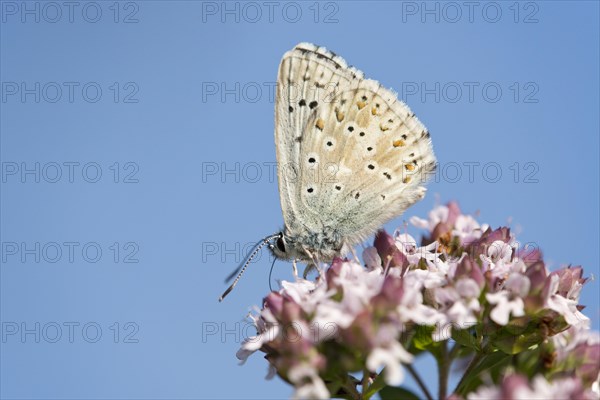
137	153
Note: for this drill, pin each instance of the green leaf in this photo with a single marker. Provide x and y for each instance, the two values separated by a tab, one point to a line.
422	338
489	363
397	393
518	343
376	386
519	335
466	337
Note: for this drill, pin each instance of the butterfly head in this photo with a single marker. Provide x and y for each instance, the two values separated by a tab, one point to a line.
283	247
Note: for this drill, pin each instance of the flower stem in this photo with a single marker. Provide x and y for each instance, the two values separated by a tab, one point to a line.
350	387
478	356
419	381
454	352
365	383
443	369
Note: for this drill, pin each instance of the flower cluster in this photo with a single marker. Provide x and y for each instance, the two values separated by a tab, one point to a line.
464	284
515	387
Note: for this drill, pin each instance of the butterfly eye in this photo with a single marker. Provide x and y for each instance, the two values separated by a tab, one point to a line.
280	244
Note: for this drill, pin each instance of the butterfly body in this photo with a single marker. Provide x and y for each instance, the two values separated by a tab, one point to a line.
310	246
350	157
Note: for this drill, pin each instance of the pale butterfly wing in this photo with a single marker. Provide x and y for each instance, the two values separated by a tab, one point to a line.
381	153
308	75
351	155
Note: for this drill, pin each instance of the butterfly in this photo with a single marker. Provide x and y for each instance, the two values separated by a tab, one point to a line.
350	157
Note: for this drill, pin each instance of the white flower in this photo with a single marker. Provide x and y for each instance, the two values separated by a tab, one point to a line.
419	222
389	358
405	243
500	251
306	293
437	215
543	390
467	229
446	295
565	342
505	306
575	290
538	389
268	329
458	304
486	393
461	313
385	334
254	343
518	266
307	382
467	288
358	285
424	278
564	306
408	246
411	307
518	284
329	317
501	268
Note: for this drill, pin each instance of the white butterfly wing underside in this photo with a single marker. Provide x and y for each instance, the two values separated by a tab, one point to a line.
351	156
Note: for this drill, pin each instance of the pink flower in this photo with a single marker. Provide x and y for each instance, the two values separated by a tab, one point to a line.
463	280
517	387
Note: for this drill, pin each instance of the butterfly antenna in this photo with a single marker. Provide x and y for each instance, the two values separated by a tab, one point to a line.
237	270
242	268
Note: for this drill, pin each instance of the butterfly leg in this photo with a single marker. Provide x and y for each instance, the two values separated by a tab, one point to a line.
295	269
315	264
321	273
307	270
310	267
355	255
